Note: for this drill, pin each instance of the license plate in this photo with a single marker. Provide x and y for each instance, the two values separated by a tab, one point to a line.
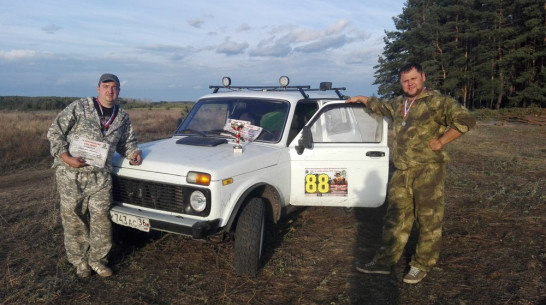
140	223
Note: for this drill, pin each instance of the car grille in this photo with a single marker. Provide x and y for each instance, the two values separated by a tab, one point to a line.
160	196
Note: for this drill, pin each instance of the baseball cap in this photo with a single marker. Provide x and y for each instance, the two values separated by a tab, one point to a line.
107	77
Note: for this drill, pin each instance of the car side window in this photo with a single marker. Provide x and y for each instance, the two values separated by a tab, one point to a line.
302	114
342	123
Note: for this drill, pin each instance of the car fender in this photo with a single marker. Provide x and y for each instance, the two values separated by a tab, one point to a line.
273	199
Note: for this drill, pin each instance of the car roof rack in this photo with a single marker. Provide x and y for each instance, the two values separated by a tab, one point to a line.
283	86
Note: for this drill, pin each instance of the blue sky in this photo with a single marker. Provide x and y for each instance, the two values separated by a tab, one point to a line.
173	50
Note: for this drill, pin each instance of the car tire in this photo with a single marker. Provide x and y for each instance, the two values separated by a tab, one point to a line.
249	238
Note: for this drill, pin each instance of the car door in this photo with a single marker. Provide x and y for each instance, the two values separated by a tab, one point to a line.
340	158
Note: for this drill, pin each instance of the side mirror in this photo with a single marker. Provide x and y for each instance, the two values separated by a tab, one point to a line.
306	140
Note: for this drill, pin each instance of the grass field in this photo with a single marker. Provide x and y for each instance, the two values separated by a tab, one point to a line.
23	140
494	240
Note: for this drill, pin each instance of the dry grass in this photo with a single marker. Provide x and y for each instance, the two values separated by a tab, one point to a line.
493	250
153	124
23	134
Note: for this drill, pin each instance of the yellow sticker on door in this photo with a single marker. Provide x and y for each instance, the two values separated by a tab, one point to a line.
326	182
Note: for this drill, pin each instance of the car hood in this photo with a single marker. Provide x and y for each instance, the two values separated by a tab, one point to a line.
168	157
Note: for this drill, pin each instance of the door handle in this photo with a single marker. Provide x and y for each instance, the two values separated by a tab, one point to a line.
375	154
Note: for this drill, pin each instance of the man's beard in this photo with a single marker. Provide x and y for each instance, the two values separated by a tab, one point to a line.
419	91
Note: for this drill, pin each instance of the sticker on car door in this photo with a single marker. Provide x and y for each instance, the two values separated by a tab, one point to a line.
321	182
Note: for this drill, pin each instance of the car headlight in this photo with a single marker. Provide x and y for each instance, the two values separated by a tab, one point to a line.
198	201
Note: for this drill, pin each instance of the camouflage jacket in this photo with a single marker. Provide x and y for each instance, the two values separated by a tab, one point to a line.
429	118
80	118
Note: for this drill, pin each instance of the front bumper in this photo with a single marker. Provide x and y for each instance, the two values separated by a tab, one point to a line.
172	223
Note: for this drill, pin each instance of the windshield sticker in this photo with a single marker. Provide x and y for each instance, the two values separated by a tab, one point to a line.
320	182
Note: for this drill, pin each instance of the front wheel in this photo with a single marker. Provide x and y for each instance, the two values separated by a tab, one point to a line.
249	238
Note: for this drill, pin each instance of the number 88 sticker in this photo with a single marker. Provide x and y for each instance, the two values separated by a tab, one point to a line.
317	183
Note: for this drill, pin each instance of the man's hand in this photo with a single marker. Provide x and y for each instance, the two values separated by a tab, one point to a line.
136	158
436	144
358	99
450	135
73	161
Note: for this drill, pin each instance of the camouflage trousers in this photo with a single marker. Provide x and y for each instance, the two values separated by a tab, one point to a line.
85	203
415	195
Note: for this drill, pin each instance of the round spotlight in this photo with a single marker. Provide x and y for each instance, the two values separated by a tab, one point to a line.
284	81
198	201
226	81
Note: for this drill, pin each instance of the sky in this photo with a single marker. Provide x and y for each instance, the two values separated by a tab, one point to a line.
173	50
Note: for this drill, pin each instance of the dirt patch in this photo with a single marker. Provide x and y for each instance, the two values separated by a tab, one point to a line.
493	245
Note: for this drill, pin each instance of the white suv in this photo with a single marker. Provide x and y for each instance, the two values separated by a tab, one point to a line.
248	155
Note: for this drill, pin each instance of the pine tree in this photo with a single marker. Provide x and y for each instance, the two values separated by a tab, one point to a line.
487	53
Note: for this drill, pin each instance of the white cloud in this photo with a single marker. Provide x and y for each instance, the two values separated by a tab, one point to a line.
17	54
271	48
337	28
231	48
301	35
324	44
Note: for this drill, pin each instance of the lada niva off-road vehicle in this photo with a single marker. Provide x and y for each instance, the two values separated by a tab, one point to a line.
245	156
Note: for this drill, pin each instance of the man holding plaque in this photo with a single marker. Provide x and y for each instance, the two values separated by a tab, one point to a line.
424	122
83	138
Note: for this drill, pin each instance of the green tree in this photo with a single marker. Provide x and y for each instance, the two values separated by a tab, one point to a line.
487	53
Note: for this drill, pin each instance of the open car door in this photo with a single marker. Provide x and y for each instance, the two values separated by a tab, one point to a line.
340	158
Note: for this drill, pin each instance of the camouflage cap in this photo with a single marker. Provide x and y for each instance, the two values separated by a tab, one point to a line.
107	77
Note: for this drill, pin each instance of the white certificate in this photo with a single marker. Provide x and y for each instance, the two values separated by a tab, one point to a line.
93	152
249	132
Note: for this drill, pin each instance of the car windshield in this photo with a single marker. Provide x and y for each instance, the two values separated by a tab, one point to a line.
213	117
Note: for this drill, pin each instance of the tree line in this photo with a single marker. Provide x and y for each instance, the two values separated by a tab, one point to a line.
485	53
24	103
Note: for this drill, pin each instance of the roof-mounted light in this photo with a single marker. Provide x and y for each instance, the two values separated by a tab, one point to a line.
284	81
325	86
226	81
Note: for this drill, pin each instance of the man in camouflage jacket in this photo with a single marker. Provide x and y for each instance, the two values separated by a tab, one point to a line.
423	121
86	190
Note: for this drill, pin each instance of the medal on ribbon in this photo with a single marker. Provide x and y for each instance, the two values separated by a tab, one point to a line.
104	124
406	110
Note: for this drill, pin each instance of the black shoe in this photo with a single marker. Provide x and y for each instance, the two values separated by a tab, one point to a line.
373	268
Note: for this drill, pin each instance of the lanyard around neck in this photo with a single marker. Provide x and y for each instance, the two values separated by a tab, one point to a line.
106	124
407	108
